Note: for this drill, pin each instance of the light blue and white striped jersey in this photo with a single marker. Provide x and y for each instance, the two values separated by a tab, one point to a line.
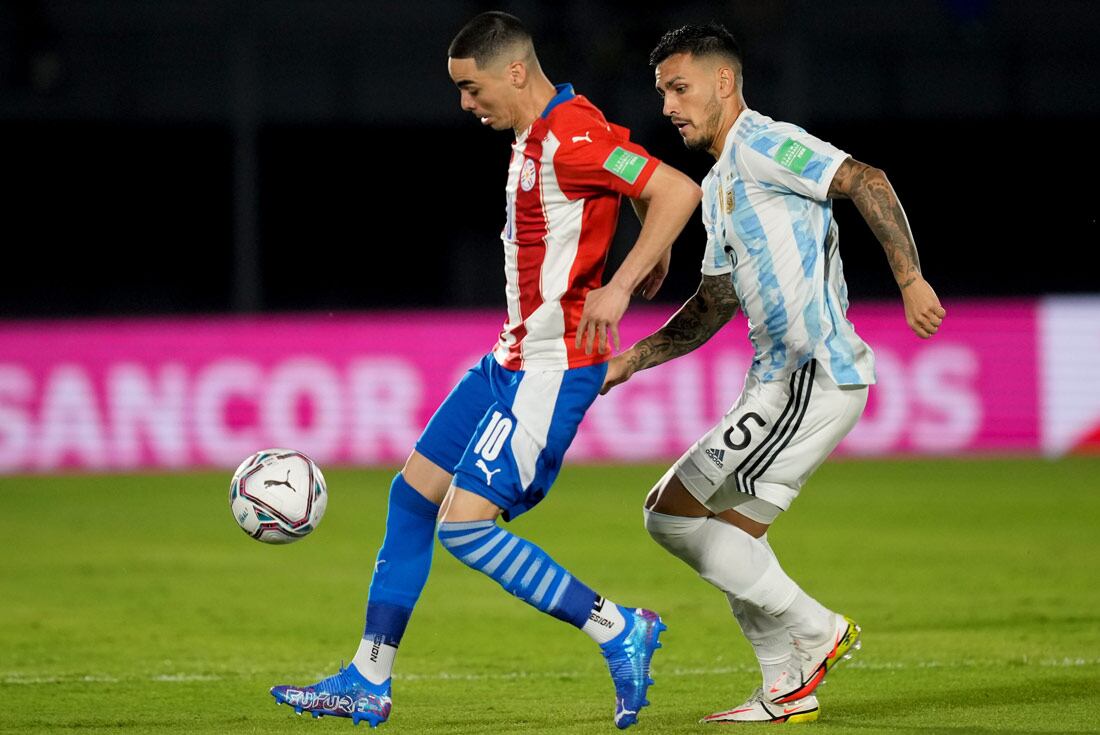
769	223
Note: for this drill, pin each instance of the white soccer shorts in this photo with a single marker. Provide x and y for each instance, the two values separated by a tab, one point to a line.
771	440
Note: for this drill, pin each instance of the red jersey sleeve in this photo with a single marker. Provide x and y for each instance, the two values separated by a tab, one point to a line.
600	159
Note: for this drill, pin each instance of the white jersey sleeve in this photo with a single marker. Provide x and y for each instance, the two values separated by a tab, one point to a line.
788	157
716	260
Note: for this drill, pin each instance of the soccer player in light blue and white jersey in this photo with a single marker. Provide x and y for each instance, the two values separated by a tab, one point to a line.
772	250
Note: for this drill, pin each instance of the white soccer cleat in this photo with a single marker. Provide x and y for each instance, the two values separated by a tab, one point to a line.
816	661
758	709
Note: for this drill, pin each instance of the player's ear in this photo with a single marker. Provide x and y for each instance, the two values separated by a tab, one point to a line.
517	74
727	82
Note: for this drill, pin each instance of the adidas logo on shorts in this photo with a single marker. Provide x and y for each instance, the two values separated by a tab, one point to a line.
716	456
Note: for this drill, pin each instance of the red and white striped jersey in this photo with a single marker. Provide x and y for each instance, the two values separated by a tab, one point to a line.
567	175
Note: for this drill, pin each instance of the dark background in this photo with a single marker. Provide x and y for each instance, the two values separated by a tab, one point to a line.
204	157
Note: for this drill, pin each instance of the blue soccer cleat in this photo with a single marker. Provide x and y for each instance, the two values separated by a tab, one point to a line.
346	694
628	656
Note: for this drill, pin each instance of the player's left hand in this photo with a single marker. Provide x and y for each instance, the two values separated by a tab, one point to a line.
923	311
651	284
603	309
619	369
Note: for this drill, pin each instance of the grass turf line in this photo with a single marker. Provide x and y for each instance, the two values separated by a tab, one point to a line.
132	604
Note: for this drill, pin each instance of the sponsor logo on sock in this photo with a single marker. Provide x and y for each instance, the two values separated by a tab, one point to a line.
598	606
717	456
600	621
375	648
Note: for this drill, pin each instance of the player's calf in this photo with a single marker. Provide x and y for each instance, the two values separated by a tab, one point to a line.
627	636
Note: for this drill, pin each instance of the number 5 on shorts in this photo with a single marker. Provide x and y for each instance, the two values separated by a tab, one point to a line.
746	435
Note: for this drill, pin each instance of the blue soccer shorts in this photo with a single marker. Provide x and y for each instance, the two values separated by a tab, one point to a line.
503	433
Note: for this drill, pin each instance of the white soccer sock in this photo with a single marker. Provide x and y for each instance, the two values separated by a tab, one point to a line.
768	637
605	621
741	566
374	659
808	620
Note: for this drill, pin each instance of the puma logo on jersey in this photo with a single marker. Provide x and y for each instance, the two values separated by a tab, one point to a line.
585	138
480	464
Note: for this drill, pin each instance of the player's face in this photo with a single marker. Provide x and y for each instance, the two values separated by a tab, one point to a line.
690	100
487	93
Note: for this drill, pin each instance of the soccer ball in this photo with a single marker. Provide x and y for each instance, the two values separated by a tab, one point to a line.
278	496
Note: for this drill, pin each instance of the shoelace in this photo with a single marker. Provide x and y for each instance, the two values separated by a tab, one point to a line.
338	682
802	654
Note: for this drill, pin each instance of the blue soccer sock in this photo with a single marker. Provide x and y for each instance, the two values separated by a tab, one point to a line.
525	570
400	572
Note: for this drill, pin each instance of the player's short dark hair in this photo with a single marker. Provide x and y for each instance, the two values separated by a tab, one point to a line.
711	39
487	36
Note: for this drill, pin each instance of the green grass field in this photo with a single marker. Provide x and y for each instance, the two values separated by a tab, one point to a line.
133	604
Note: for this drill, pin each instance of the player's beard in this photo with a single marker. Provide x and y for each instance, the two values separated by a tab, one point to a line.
709	129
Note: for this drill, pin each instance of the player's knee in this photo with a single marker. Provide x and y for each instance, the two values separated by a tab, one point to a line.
427	478
442	532
672	532
464	538
655	492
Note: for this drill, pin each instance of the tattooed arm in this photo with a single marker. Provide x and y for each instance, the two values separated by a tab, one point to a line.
874	197
713	304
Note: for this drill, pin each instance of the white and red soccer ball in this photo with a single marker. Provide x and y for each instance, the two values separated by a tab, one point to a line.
278	496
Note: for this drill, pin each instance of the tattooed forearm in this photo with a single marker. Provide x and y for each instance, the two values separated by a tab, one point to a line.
714	304
874	197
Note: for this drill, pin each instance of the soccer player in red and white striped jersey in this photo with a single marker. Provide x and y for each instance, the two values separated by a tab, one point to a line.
495	445
569	170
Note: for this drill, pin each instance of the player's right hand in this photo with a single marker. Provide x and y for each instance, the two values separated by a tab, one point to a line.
923	311
619	369
599	324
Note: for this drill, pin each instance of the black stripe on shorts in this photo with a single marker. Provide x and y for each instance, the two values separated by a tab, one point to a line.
757	463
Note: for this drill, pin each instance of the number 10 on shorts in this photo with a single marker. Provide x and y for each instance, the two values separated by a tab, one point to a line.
493	438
